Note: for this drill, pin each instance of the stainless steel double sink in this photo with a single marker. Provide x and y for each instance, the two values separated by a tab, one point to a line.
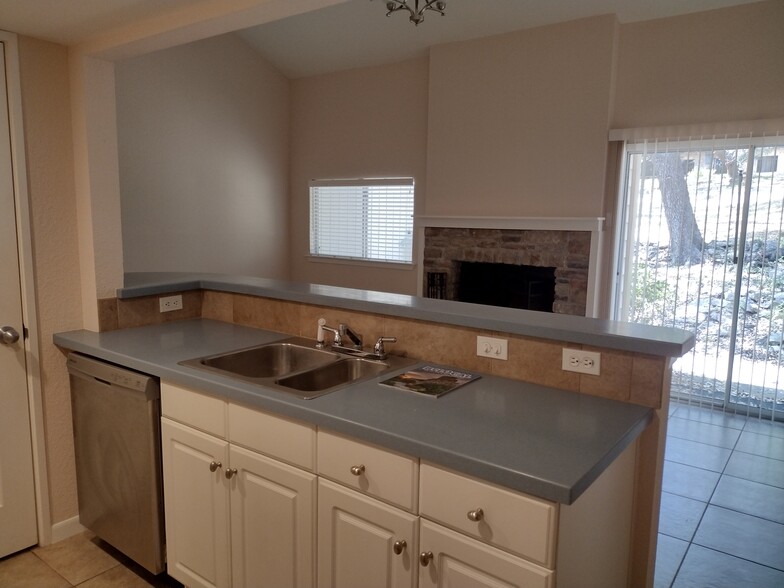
296	366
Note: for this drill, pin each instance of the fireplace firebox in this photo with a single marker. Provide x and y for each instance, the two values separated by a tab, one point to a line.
501	284
562	256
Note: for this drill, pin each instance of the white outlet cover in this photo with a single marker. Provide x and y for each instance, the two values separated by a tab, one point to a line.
581	361
169	303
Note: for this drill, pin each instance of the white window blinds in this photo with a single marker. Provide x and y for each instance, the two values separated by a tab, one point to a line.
363	219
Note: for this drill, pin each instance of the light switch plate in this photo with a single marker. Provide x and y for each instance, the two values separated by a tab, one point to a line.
491	347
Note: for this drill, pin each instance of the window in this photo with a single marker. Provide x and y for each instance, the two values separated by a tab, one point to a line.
370	220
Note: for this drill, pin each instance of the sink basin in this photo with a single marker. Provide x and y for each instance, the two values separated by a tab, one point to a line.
296	366
269	361
334	374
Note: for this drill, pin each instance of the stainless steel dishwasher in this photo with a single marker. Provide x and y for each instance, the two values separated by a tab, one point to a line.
116	418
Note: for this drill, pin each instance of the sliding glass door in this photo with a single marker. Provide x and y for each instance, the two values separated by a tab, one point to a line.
701	247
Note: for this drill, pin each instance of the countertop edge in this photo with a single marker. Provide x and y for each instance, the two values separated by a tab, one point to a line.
667	342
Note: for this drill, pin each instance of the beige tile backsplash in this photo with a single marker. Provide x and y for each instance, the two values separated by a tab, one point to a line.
629	377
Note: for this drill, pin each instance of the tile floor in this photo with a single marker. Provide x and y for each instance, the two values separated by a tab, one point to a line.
82	560
722	512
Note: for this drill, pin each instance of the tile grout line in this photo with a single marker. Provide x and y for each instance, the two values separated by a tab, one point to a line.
723	473
51	568
708	503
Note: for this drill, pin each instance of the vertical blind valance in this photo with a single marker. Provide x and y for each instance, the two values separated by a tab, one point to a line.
753	128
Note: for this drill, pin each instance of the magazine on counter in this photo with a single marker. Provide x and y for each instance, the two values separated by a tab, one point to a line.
431	380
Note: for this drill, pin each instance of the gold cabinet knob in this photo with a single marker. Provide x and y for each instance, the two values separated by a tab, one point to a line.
425	558
476	515
230	472
399	546
358	470
214	465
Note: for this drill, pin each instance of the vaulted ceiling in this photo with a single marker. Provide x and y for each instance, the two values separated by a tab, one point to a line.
347	35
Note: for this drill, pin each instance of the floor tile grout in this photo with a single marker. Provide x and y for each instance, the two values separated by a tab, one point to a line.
722	473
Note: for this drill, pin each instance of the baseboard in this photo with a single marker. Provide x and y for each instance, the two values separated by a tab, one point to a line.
66	528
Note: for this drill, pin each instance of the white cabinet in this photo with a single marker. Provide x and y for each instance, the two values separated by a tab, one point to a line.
450	559
196	502
476	534
235	517
521	524
366	539
363	542
272	513
243	503
491	522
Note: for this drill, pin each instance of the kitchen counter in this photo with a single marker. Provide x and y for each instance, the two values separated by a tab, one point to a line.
546	442
667	342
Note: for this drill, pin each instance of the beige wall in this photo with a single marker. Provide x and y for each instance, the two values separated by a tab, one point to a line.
518	122
47	122
516	125
369	122
203	142
722	65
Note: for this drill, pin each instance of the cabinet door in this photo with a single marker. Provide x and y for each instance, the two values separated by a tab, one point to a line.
454	560
273	523
196	500
358	541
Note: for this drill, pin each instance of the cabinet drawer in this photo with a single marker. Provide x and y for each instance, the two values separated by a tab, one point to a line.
458	560
510	520
277	437
379	472
194	409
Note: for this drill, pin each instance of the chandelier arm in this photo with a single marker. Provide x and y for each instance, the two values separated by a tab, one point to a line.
417	13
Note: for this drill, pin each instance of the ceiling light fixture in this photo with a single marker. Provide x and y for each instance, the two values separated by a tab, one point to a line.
417	13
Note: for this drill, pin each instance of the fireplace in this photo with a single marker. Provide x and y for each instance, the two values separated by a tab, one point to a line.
502	284
543	270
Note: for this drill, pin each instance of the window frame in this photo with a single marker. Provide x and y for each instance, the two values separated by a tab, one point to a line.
362	237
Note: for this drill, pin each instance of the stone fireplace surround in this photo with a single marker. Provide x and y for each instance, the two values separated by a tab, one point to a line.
568	251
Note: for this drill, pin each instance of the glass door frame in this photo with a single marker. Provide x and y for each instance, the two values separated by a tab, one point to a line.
625	237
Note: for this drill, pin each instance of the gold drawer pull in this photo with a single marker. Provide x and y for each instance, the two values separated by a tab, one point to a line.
399	546
476	515
358	470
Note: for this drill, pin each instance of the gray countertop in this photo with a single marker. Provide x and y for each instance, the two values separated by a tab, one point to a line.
543	441
638	338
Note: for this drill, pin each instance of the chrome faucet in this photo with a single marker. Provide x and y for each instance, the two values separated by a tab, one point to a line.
346	331
355	350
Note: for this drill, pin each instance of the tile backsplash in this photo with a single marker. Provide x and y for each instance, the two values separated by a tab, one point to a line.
629	377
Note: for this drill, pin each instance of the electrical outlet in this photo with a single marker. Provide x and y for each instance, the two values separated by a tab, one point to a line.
169	303
491	347
584	362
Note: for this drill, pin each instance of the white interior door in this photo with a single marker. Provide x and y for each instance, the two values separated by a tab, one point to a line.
17	493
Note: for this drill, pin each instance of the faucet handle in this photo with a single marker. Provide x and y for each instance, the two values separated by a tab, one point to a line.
322	326
378	348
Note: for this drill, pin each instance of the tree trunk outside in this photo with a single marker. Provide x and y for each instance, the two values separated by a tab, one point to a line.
685	238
